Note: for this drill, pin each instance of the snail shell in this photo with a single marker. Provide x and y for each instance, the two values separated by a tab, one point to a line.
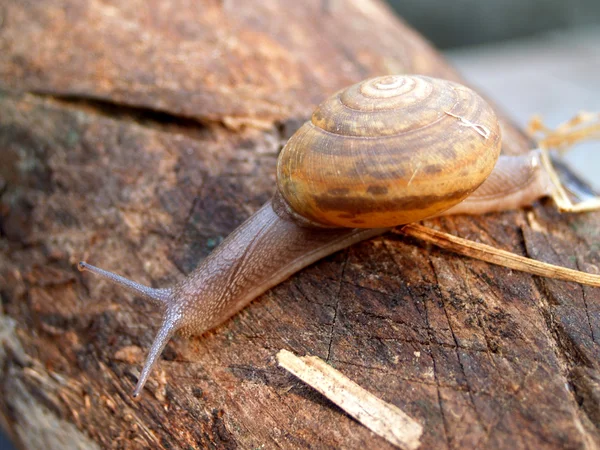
389	151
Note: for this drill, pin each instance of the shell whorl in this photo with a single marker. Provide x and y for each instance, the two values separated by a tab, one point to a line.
388	151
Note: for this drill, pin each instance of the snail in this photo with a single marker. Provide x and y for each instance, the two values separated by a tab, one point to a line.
384	152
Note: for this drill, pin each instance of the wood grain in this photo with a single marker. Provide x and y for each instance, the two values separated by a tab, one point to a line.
138	134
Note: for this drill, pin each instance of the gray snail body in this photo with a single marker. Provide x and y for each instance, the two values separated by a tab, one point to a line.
384	152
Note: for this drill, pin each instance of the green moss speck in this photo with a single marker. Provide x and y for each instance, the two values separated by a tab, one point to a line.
72	138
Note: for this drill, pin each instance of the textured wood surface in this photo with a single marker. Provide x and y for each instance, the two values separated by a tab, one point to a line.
138	134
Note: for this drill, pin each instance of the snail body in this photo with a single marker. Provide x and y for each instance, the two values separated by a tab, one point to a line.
384	152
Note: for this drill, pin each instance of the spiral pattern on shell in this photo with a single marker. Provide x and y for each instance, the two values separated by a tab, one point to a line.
388	151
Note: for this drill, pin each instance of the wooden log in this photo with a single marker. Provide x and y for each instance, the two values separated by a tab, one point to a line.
138	134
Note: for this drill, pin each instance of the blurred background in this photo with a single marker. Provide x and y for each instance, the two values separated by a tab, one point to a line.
529	56
461	23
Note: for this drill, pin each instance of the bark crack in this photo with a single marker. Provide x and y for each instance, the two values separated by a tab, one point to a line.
456	351
337	305
142	115
585	305
566	349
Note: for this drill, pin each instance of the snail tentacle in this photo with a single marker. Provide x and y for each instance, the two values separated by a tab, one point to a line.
155	295
169	327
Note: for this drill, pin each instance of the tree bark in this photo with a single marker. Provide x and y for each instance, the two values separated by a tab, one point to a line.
138	134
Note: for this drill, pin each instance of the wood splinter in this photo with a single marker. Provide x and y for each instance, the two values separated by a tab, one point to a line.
497	256
384	419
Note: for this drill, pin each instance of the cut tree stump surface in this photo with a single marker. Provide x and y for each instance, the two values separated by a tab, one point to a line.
138	134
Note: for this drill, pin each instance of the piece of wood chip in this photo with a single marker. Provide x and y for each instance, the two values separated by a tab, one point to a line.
384	419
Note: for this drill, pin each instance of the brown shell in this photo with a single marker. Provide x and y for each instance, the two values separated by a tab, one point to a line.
388	151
